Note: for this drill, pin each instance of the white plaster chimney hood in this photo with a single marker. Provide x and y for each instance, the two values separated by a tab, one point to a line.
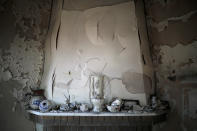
99	37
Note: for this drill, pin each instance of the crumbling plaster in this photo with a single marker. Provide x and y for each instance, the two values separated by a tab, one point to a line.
172	33
23	25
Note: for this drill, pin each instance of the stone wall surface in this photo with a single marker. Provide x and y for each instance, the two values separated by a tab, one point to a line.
23	29
173	32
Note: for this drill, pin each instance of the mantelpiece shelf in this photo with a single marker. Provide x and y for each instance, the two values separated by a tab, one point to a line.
96	119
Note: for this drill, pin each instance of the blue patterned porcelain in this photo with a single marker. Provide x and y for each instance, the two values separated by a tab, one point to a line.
45	106
35	102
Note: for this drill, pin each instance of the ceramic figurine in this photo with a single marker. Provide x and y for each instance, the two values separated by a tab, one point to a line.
45	106
117	102
72	105
64	107
35	102
115	105
84	107
112	108
77	106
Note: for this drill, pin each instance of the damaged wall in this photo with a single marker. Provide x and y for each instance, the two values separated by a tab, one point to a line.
23	28
173	33
100	38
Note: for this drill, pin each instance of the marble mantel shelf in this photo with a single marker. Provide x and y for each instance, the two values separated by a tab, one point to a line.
103	118
38	113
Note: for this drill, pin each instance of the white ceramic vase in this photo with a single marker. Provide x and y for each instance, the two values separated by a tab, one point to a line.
97	105
96	90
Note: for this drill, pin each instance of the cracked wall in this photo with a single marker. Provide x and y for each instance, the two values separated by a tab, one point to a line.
23	25
99	38
173	32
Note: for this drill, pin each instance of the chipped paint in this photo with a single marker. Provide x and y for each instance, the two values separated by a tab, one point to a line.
172	32
23	30
182	64
5	75
162	25
24	61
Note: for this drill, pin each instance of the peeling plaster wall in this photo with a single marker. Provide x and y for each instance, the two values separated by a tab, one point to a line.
173	32
96	39
23	29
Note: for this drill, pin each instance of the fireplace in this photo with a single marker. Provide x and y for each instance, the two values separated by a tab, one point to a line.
97	54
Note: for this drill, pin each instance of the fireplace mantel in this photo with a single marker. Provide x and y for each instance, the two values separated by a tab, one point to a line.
95	121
